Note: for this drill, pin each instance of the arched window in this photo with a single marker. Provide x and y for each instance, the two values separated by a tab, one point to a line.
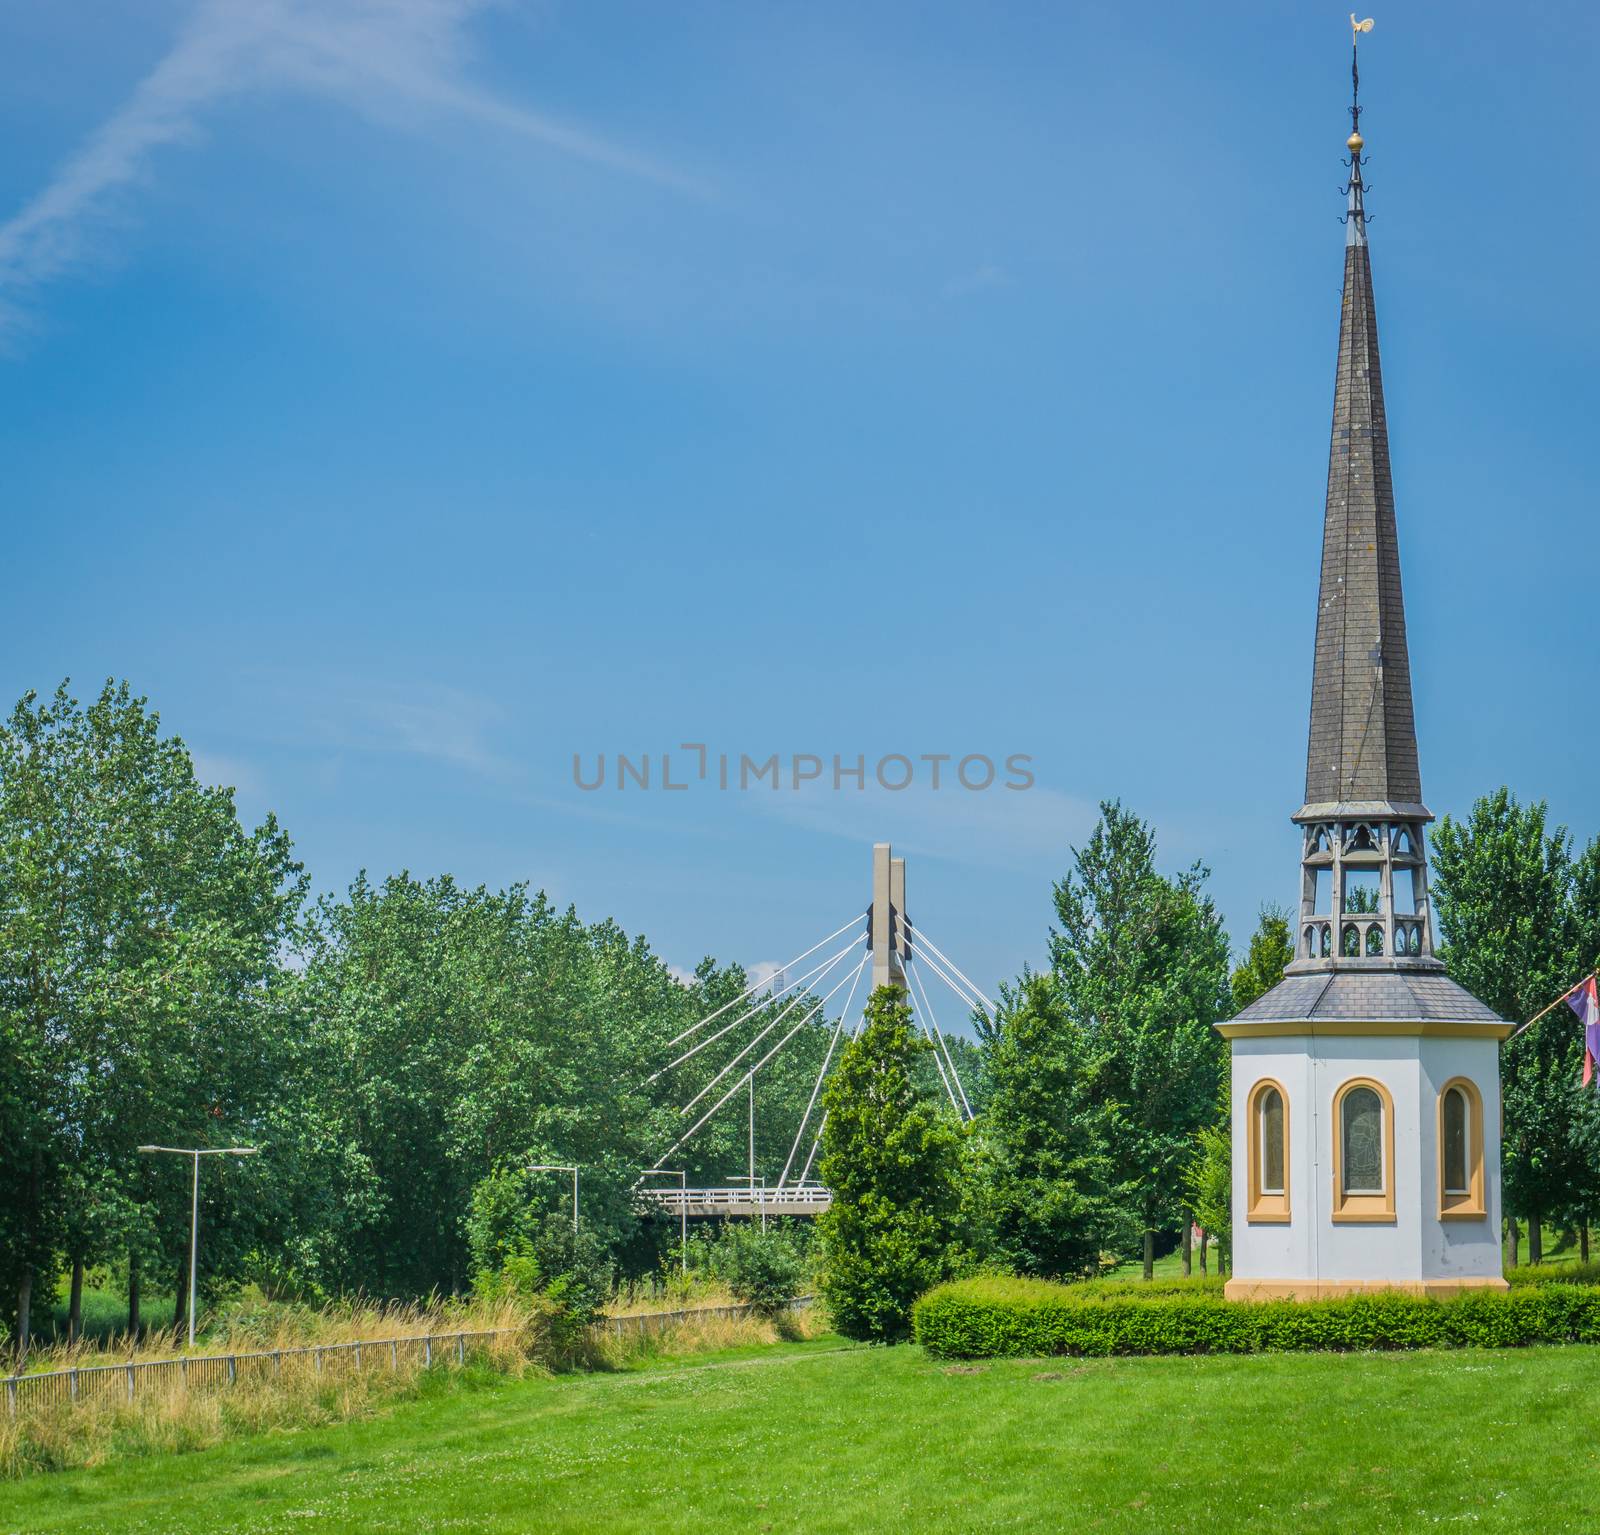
1363	1152
1461	1152
1457	1119
1267	1120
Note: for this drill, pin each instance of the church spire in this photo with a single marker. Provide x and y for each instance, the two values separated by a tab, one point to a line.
1362	750
1364	868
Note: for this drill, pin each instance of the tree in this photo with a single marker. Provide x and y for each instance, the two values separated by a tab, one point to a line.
890	1158
140	941
1208	1182
460	1030
1041	1151
1142	962
1511	934
1271	950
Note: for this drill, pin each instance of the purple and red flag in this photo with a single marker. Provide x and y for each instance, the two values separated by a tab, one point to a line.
1584	1000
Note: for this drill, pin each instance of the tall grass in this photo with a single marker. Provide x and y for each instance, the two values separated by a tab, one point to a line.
47	1436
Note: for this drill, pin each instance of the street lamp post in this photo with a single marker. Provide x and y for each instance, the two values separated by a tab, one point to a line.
195	1153
561	1167
683	1212
761	1197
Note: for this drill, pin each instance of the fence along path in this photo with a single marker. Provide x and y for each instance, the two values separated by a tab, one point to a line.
132	1377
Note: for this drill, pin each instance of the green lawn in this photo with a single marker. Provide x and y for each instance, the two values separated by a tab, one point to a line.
825	1437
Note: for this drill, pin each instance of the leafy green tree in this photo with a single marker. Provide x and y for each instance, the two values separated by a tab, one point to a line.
1208	1182
1504	889
458	1030
890	1157
1041	1150
1142	963
140	943
1271	950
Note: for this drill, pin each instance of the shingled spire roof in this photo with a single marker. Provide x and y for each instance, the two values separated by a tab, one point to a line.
1364	959
1362	753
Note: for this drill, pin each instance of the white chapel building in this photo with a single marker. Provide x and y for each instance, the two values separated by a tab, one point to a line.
1366	1085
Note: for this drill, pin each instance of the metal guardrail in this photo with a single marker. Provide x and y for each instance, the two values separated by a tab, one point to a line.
127	1380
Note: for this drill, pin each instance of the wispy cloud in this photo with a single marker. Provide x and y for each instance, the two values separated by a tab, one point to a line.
383	58
426	720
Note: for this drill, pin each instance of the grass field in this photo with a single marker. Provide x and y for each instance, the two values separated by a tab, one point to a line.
822	1437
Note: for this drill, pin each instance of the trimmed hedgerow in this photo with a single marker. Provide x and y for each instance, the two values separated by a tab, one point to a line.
1554	1273
986	1318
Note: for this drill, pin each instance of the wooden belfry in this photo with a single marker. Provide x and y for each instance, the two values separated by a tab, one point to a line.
888	930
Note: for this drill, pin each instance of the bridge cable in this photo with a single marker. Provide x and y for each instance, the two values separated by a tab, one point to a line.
750	990
936	1034
822	1071
922	938
783	990
961	993
694	1128
938	1063
761	1034
957	992
816	1140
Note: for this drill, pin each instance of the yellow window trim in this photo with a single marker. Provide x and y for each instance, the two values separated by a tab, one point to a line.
1470	1205
1265	1209
1359	1209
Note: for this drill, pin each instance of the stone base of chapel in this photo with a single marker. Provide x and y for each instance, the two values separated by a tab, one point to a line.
1326	1289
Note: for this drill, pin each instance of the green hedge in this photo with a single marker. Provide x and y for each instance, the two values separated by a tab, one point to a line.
986	1318
1554	1273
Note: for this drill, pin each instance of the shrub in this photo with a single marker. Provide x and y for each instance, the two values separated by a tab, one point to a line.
982	1318
760	1267
562	1276
1554	1273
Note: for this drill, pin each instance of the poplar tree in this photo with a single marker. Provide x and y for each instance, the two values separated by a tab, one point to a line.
1142	962
1043	1164
140	938
889	1155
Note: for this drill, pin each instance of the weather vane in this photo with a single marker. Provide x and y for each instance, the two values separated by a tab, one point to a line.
1356	29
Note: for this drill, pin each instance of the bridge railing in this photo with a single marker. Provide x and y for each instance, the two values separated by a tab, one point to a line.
810	1198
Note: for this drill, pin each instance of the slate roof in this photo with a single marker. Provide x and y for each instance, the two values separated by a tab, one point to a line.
1363	741
1387	996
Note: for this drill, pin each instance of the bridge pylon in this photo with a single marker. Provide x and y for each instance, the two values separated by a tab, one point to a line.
888	929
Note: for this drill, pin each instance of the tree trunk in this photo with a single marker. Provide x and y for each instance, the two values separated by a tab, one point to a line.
24	1315
1188	1244
1149	1255
180	1304
133	1300
1583	1242
1204	1239
1535	1240
75	1304
1510	1261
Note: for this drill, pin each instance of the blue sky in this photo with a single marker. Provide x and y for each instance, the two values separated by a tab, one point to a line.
409	394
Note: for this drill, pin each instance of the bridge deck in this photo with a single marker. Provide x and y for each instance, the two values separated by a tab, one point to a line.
699	1204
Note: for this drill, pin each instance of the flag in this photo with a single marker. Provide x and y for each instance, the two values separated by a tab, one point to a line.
1584	1000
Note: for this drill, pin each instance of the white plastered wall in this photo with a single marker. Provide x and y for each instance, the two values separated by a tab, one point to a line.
1417	1245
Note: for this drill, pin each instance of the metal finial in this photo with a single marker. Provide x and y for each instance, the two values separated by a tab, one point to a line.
1356	29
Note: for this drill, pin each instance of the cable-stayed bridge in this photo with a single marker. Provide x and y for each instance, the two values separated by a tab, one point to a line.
881	938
